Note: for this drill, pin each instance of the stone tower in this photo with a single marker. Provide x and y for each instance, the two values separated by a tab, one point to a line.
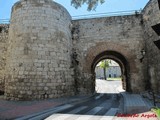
39	52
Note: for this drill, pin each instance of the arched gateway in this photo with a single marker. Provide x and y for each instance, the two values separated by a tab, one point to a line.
118	53
50	55
121	60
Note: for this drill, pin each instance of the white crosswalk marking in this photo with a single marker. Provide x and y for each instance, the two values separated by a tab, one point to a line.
90	115
44	115
112	112
109	115
74	117
94	110
84	117
58	117
106	103
108	118
71	115
77	110
78	117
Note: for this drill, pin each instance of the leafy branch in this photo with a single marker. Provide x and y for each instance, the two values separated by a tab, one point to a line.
92	4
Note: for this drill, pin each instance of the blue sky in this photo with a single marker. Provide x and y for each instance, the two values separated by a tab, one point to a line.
108	6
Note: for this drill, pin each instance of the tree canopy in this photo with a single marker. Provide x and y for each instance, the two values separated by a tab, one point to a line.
104	64
92	4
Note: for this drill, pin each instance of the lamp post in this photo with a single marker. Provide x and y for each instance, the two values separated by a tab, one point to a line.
143	52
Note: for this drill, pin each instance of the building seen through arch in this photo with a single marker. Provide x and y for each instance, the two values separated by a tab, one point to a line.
112	71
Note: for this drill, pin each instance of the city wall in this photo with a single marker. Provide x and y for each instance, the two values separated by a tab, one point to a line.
46	54
151	17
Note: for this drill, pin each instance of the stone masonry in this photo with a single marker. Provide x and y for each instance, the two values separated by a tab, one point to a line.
151	17
49	55
3	50
122	34
38	59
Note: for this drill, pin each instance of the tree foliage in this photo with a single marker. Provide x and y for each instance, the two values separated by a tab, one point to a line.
104	64
92	4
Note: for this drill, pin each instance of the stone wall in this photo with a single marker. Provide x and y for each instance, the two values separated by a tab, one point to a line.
122	34
151	17
51	56
39	53
3	50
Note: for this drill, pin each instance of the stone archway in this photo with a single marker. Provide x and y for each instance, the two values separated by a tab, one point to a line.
120	59
119	53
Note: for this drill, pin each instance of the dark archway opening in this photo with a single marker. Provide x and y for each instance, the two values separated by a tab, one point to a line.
121	60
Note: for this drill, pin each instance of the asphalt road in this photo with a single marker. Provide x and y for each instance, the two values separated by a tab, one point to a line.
104	86
97	108
102	106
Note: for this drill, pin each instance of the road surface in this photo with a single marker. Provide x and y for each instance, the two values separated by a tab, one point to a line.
103	106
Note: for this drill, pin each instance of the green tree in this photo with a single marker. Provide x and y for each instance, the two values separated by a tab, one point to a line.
104	64
92	4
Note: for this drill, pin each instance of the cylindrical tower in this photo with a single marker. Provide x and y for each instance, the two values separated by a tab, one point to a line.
38	59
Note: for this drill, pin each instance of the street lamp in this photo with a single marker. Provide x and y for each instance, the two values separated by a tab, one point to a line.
143	52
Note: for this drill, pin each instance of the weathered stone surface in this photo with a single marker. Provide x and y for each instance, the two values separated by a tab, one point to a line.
38	59
48	55
151	17
3	50
122	34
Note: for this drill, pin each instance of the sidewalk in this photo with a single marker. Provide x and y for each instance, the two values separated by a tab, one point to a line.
10	110
136	107
14	109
